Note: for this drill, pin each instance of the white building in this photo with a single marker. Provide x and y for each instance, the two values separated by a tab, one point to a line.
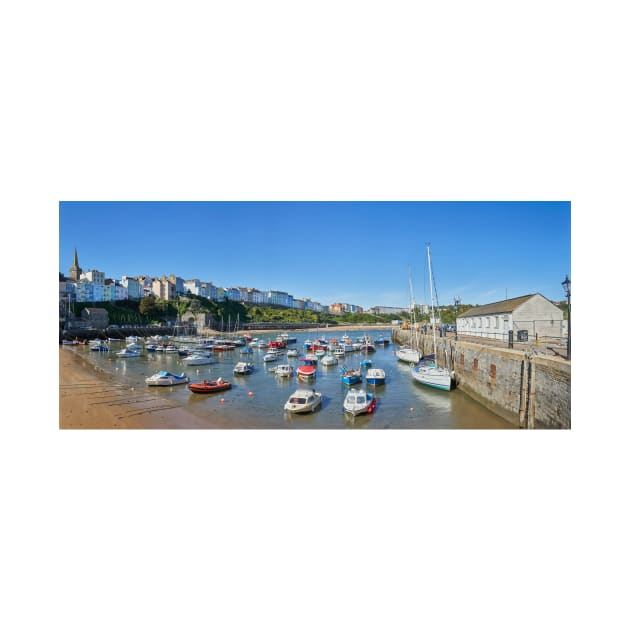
133	287
531	315
97	277
255	296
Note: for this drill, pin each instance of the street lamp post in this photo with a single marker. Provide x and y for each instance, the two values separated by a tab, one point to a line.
566	285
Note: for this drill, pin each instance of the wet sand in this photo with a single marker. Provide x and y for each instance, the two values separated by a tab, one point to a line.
90	399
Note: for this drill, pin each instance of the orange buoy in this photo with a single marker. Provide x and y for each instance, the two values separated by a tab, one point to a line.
222	400
250	393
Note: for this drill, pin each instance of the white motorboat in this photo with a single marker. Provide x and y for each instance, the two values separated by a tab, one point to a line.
358	401
408	354
284	371
272	355
303	401
128	354
293	353
375	376
329	359
243	368
198	358
166	379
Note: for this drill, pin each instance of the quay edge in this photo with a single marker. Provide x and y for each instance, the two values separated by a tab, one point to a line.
528	390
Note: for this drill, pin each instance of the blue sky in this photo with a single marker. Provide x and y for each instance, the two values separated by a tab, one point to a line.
357	252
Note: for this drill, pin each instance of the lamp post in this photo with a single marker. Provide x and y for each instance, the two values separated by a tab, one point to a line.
566	285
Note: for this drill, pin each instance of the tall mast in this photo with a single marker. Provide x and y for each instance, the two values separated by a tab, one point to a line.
414	334
432	310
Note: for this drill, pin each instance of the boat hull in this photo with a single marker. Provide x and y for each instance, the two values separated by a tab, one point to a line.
437	378
166	380
408	356
209	387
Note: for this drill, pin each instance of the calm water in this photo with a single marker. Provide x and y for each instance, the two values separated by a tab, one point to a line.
401	402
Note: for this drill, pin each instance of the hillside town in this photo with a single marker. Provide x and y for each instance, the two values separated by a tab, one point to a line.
93	286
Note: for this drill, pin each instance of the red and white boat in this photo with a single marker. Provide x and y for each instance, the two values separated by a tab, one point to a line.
210	387
308	370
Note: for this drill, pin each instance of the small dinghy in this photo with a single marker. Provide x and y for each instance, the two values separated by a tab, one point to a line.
210	387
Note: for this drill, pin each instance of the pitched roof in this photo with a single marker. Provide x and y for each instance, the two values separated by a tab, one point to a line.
506	306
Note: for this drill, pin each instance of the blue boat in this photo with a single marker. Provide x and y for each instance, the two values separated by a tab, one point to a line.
101	347
367	363
351	377
375	376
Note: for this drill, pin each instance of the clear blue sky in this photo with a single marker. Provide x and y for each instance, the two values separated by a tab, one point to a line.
357	252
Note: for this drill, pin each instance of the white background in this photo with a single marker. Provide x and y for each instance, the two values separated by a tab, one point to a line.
327	100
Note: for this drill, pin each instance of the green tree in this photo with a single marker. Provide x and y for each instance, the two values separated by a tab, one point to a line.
148	306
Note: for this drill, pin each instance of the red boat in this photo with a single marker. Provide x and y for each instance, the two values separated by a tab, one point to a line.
308	370
210	387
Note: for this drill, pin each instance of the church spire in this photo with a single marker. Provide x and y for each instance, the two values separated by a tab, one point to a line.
75	271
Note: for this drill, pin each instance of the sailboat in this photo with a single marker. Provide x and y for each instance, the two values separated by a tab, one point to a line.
408	353
430	373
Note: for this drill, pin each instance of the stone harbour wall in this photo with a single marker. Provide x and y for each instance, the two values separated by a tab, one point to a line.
529	390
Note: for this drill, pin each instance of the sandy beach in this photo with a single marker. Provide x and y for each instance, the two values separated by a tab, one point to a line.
90	399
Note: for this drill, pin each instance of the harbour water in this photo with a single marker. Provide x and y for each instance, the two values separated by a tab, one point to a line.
257	400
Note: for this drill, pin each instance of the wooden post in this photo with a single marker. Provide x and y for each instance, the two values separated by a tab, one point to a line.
522	420
531	420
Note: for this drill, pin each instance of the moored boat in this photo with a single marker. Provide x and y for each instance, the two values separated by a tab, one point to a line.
284	371
308	370
429	373
198	358
271	356
209	387
358	401
128	354
99	347
166	379
350	377
243	368
408	354
375	376
303	401
329	359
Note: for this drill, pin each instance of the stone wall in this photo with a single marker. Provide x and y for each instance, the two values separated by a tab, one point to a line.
531	391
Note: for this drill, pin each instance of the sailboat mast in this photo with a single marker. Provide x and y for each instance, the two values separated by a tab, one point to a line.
432	309
414	334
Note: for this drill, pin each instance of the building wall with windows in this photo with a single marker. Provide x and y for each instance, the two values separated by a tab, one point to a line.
177	282
163	289
279	298
94	276
534	314
133	287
